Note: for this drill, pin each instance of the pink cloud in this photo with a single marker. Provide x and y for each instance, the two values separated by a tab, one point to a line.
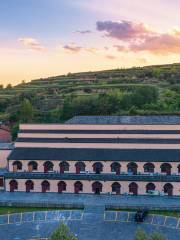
111	57
72	48
31	44
136	37
123	30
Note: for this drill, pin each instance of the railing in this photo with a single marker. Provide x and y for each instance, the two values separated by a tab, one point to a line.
93	176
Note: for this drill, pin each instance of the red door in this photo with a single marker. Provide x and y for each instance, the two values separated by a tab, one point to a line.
78	170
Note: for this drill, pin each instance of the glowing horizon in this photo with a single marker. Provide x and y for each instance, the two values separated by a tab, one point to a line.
50	37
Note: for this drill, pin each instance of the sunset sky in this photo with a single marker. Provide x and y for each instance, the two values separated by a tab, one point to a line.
41	38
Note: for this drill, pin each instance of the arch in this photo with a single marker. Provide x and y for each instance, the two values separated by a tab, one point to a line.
178	168
48	166
168	189
150	187
132	168
116	167
149	168
78	186
97	167
133	188
80	167
17	165
13	185
64	167
32	166
29	185
116	187
45	186
61	186
166	168
97	187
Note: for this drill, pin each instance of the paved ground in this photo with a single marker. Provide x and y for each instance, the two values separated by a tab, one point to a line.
55	199
90	224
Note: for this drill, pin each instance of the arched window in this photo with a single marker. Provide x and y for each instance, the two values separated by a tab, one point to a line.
45	186
149	168
168	189
133	188
116	167
13	185
78	186
29	185
61	186
132	168
17	165
32	166
97	187
116	187
64	167
48	166
97	167
80	167
166	168
150	187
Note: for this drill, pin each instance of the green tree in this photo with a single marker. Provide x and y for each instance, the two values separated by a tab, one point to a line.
26	111
157	236
62	233
140	235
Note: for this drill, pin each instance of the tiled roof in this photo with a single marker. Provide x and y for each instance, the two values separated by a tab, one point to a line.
124	120
69	154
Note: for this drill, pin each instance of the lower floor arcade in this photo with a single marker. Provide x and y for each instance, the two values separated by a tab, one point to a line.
96	187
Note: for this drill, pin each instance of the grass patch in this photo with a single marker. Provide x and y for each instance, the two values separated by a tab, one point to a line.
9	210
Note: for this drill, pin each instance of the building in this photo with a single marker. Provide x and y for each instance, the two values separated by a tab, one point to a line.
5	134
101	158
5	150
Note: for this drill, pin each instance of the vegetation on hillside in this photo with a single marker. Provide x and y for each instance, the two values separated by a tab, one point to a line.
136	91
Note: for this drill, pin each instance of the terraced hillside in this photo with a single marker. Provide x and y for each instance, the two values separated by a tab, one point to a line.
119	91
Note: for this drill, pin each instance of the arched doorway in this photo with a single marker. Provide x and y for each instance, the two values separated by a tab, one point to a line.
98	167
149	168
45	186
17	166
13	185
61	186
132	168
150	187
29	185
32	166
116	187
97	187
78	186
48	166
168	189
80	167
133	188
166	168
64	167
116	167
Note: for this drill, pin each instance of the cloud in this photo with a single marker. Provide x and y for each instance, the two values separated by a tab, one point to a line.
124	30
137	37
111	57
120	48
83	31
72	48
159	44
32	44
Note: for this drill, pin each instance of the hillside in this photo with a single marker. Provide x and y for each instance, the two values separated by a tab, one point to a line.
147	90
